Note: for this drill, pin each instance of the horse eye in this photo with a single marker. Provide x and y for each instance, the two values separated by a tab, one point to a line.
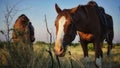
70	24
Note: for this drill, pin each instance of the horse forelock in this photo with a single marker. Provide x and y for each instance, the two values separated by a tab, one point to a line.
23	18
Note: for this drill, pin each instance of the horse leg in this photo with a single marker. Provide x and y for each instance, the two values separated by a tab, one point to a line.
109	41
110	45
98	54
109	48
109	52
85	51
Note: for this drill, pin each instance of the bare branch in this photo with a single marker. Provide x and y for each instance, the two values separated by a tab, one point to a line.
49	51
48	30
9	13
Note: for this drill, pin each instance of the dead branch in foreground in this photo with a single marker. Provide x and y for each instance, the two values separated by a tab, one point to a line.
49	51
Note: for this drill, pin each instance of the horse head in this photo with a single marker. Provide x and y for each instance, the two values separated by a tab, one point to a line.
23	29
65	29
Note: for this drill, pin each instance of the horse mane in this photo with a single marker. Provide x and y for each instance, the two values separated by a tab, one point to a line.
23	29
69	10
92	3
22	15
31	28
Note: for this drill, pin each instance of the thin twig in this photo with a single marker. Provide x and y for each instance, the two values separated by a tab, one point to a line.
49	51
58	61
48	30
70	59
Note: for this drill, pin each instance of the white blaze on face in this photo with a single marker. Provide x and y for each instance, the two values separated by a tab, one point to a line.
60	33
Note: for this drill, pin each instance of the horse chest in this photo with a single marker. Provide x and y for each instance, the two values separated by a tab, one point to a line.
86	36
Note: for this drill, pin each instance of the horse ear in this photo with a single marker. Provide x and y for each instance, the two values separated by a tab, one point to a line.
58	10
73	10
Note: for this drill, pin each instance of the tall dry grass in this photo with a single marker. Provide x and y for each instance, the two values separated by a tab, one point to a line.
23	56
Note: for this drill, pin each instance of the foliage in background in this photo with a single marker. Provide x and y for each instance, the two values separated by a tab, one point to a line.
41	42
91	47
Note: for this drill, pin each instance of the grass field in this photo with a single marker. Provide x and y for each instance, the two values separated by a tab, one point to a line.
78	60
40	58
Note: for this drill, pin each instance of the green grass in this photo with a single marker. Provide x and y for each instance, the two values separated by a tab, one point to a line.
24	57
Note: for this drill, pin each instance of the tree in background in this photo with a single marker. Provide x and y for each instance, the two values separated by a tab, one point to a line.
9	13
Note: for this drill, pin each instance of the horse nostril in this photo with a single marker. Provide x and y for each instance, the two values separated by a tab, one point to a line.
61	49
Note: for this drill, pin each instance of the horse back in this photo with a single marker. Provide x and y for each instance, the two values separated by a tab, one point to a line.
110	21
90	23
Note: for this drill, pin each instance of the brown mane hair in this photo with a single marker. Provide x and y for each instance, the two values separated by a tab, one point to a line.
23	30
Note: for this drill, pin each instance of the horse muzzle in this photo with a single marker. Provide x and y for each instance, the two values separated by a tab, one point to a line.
59	52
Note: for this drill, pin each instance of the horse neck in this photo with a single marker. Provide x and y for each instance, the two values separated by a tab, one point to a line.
86	19
80	19
81	13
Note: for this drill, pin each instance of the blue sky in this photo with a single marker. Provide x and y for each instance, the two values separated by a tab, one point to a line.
36	9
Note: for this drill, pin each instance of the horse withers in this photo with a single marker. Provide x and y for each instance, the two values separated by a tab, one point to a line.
84	20
23	31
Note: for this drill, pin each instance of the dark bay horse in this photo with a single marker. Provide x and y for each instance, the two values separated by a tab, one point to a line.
23	31
84	20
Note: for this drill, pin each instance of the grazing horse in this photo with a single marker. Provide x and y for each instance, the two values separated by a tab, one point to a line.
23	31
84	20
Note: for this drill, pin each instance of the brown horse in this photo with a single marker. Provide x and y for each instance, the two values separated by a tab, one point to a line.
23	31
84	20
